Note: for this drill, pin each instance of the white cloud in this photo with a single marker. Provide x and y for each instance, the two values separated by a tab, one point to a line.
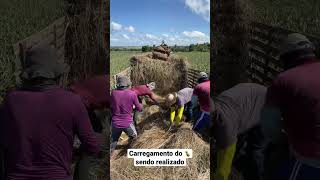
172	39
125	36
194	34
165	35
130	29
200	7
150	36
114	39
116	26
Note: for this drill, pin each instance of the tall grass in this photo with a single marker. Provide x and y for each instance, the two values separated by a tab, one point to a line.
18	20
197	60
296	15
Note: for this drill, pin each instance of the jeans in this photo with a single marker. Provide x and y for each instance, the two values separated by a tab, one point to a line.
189	109
116	133
250	155
203	121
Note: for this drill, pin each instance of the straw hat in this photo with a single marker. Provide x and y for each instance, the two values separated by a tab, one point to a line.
171	99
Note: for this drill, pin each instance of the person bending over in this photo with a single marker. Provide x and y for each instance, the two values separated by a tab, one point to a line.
236	122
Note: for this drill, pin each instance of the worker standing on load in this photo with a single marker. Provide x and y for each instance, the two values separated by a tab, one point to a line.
178	103
236	122
294	95
122	101
202	91
94	95
145	90
38	122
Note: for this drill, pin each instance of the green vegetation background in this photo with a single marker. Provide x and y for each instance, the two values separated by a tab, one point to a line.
18	20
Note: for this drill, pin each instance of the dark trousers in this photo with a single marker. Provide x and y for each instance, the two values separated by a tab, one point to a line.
83	165
250	155
3	170
190	108
135	113
96	123
82	168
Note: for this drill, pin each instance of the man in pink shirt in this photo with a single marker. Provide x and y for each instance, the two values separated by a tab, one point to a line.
202	91
145	90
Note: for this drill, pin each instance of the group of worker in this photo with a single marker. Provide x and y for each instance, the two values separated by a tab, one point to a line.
272	132
39	120
126	99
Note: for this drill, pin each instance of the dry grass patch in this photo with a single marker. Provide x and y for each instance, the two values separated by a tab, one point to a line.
153	133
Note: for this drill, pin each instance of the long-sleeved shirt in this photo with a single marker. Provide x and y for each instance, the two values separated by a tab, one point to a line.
94	92
122	102
202	90
37	129
143	90
296	94
184	96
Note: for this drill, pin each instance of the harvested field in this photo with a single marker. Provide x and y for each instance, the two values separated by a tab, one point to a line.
153	132
170	76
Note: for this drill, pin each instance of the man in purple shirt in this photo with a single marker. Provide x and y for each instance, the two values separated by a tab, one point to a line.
38	122
294	95
122	101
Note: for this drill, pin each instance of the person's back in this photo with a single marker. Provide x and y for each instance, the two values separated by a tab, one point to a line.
184	96
37	129
236	119
202	90
242	105
122	106
297	93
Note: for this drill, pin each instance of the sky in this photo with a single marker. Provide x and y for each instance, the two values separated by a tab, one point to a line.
149	22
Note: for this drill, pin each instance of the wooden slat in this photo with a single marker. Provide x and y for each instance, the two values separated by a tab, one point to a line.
261	55
263	46
259	74
265	67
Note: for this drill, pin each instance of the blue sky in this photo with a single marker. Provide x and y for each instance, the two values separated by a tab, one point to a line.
148	22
